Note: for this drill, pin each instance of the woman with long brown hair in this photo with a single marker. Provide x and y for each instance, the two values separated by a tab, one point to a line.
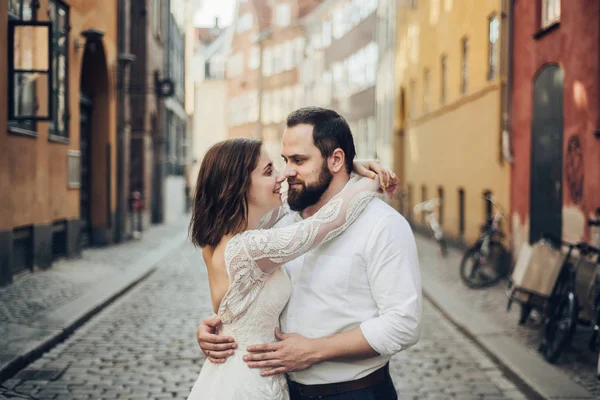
237	201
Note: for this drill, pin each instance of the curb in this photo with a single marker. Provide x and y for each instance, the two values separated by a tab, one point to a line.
533	375
66	319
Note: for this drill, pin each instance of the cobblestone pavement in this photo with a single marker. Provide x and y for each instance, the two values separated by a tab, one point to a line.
39	293
143	347
578	362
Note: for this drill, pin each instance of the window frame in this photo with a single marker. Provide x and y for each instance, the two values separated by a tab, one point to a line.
492	47
53	135
426	89
443	79
26	127
464	65
545	21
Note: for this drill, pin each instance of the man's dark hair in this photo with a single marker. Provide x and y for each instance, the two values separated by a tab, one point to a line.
330	131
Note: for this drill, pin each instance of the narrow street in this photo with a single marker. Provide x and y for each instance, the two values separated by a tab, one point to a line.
143	347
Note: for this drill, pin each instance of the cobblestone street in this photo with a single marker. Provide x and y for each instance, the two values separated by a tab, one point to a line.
143	347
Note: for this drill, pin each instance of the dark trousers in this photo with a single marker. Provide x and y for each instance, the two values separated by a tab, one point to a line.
382	391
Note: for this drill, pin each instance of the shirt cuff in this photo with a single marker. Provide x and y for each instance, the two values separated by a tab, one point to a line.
371	330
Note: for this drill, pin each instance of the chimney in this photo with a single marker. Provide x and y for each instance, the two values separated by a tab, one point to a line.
217	23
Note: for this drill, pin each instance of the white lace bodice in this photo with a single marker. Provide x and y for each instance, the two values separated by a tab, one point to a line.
259	290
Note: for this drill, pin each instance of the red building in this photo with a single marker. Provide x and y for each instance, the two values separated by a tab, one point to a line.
555	118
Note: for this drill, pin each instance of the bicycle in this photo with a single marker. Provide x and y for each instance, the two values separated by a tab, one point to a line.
564	304
431	218
595	339
486	262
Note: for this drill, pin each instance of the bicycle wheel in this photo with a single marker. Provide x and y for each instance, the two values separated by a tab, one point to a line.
479	272
560	326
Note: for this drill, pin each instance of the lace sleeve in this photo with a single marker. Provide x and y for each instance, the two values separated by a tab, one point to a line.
252	255
275	215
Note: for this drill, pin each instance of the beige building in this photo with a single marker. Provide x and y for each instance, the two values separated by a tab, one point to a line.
450	85
209	119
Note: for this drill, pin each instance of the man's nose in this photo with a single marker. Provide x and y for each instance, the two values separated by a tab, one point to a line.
288	171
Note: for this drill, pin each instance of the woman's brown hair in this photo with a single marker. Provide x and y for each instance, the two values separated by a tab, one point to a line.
221	197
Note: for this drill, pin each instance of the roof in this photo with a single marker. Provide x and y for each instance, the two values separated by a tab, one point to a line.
207	35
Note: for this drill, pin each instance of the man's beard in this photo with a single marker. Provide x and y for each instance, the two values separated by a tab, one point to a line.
308	195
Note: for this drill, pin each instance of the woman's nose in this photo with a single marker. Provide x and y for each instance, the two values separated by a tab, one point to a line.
280	176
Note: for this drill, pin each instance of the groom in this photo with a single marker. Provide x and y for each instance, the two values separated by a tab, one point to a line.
356	300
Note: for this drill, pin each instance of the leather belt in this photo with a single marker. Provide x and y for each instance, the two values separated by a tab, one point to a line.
331	389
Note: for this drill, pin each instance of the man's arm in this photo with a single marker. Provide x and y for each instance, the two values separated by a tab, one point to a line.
393	271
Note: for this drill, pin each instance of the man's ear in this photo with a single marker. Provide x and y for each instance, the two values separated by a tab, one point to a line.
337	161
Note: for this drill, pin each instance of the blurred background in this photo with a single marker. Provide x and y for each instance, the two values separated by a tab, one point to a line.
111	104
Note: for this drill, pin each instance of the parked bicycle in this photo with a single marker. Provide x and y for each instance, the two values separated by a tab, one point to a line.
486	262
573	298
429	208
595	340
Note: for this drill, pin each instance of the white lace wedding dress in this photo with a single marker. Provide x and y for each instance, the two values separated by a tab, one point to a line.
259	290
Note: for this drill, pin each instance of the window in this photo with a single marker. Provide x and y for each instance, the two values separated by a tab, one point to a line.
59	15
488	205
282	15
267	62
409	198
235	65
441	205
244	23
461	212
464	69
423	199
550	12
326	33
425	91
157	18
288	55
412	94
444	79
254	57
277	58
299	50
494	26
25	88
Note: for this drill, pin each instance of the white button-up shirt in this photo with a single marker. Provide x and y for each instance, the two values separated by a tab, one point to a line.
369	277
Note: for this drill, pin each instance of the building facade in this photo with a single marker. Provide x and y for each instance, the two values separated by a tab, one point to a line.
209	120
450	79
385	88
340	68
176	120
555	119
149	41
242	72
57	176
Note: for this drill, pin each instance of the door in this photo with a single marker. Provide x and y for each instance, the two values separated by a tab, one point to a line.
85	129
547	154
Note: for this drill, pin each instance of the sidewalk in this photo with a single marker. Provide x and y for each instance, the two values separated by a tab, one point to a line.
482	315
39	310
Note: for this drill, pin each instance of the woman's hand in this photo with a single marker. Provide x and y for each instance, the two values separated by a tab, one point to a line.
387	178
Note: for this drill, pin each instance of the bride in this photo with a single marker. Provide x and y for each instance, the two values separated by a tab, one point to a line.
238	198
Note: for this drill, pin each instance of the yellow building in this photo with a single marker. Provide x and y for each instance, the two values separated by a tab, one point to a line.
448	142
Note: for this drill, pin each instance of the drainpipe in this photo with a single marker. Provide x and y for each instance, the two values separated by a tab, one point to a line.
506	6
120	217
